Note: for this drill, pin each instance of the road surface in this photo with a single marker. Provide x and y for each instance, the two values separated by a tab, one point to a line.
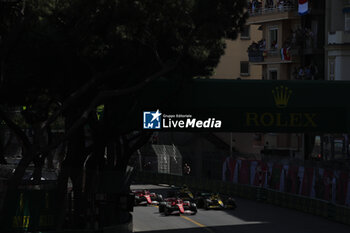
249	217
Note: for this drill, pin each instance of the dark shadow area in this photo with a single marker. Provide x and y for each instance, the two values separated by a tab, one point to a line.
254	211
261	228
283	219
210	229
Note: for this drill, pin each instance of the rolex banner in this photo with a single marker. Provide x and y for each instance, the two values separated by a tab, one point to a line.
313	182
300	178
342	187
235	167
303	7
334	186
283	178
307	181
327	181
260	174
229	168
347	198
291	180
268	174
253	170
244	172
319	184
276	176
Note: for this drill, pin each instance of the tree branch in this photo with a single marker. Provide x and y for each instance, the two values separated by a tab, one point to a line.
144	137
103	96
22	137
114	93
77	94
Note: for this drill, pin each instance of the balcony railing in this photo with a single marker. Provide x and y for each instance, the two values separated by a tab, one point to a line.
339	37
256	56
264	55
263	11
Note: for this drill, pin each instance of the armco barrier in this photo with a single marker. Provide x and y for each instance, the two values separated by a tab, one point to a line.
292	201
71	231
121	228
312	207
284	200
304	205
324	208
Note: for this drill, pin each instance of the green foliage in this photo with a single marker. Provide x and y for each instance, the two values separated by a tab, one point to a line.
67	40
64	43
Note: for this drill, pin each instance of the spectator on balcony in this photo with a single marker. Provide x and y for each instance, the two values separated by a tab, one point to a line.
294	39
301	73
254	5
280	5
274	45
309	35
307	72
269	4
262	44
313	71
295	74
288	3
253	47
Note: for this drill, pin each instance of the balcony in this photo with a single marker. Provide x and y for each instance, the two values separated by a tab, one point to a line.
264	56
259	54
264	15
339	37
256	56
273	56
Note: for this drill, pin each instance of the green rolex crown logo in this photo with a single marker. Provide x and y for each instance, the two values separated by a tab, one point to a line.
281	95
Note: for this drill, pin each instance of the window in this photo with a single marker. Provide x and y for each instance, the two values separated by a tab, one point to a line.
245	34
273	37
331	68
347	22
244	68
273	75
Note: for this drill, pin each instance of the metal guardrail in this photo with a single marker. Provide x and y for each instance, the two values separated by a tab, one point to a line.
122	228
262	11
305	204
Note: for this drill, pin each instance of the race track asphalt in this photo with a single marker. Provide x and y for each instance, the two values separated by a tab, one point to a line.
249	217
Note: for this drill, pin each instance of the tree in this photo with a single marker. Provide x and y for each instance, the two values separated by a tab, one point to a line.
65	58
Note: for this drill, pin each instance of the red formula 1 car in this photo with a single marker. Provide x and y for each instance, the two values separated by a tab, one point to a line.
145	197
174	204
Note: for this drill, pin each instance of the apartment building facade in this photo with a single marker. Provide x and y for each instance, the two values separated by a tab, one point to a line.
292	45
234	63
337	38
291	48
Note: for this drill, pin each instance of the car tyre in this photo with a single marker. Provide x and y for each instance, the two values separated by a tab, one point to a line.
206	206
161	208
166	212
